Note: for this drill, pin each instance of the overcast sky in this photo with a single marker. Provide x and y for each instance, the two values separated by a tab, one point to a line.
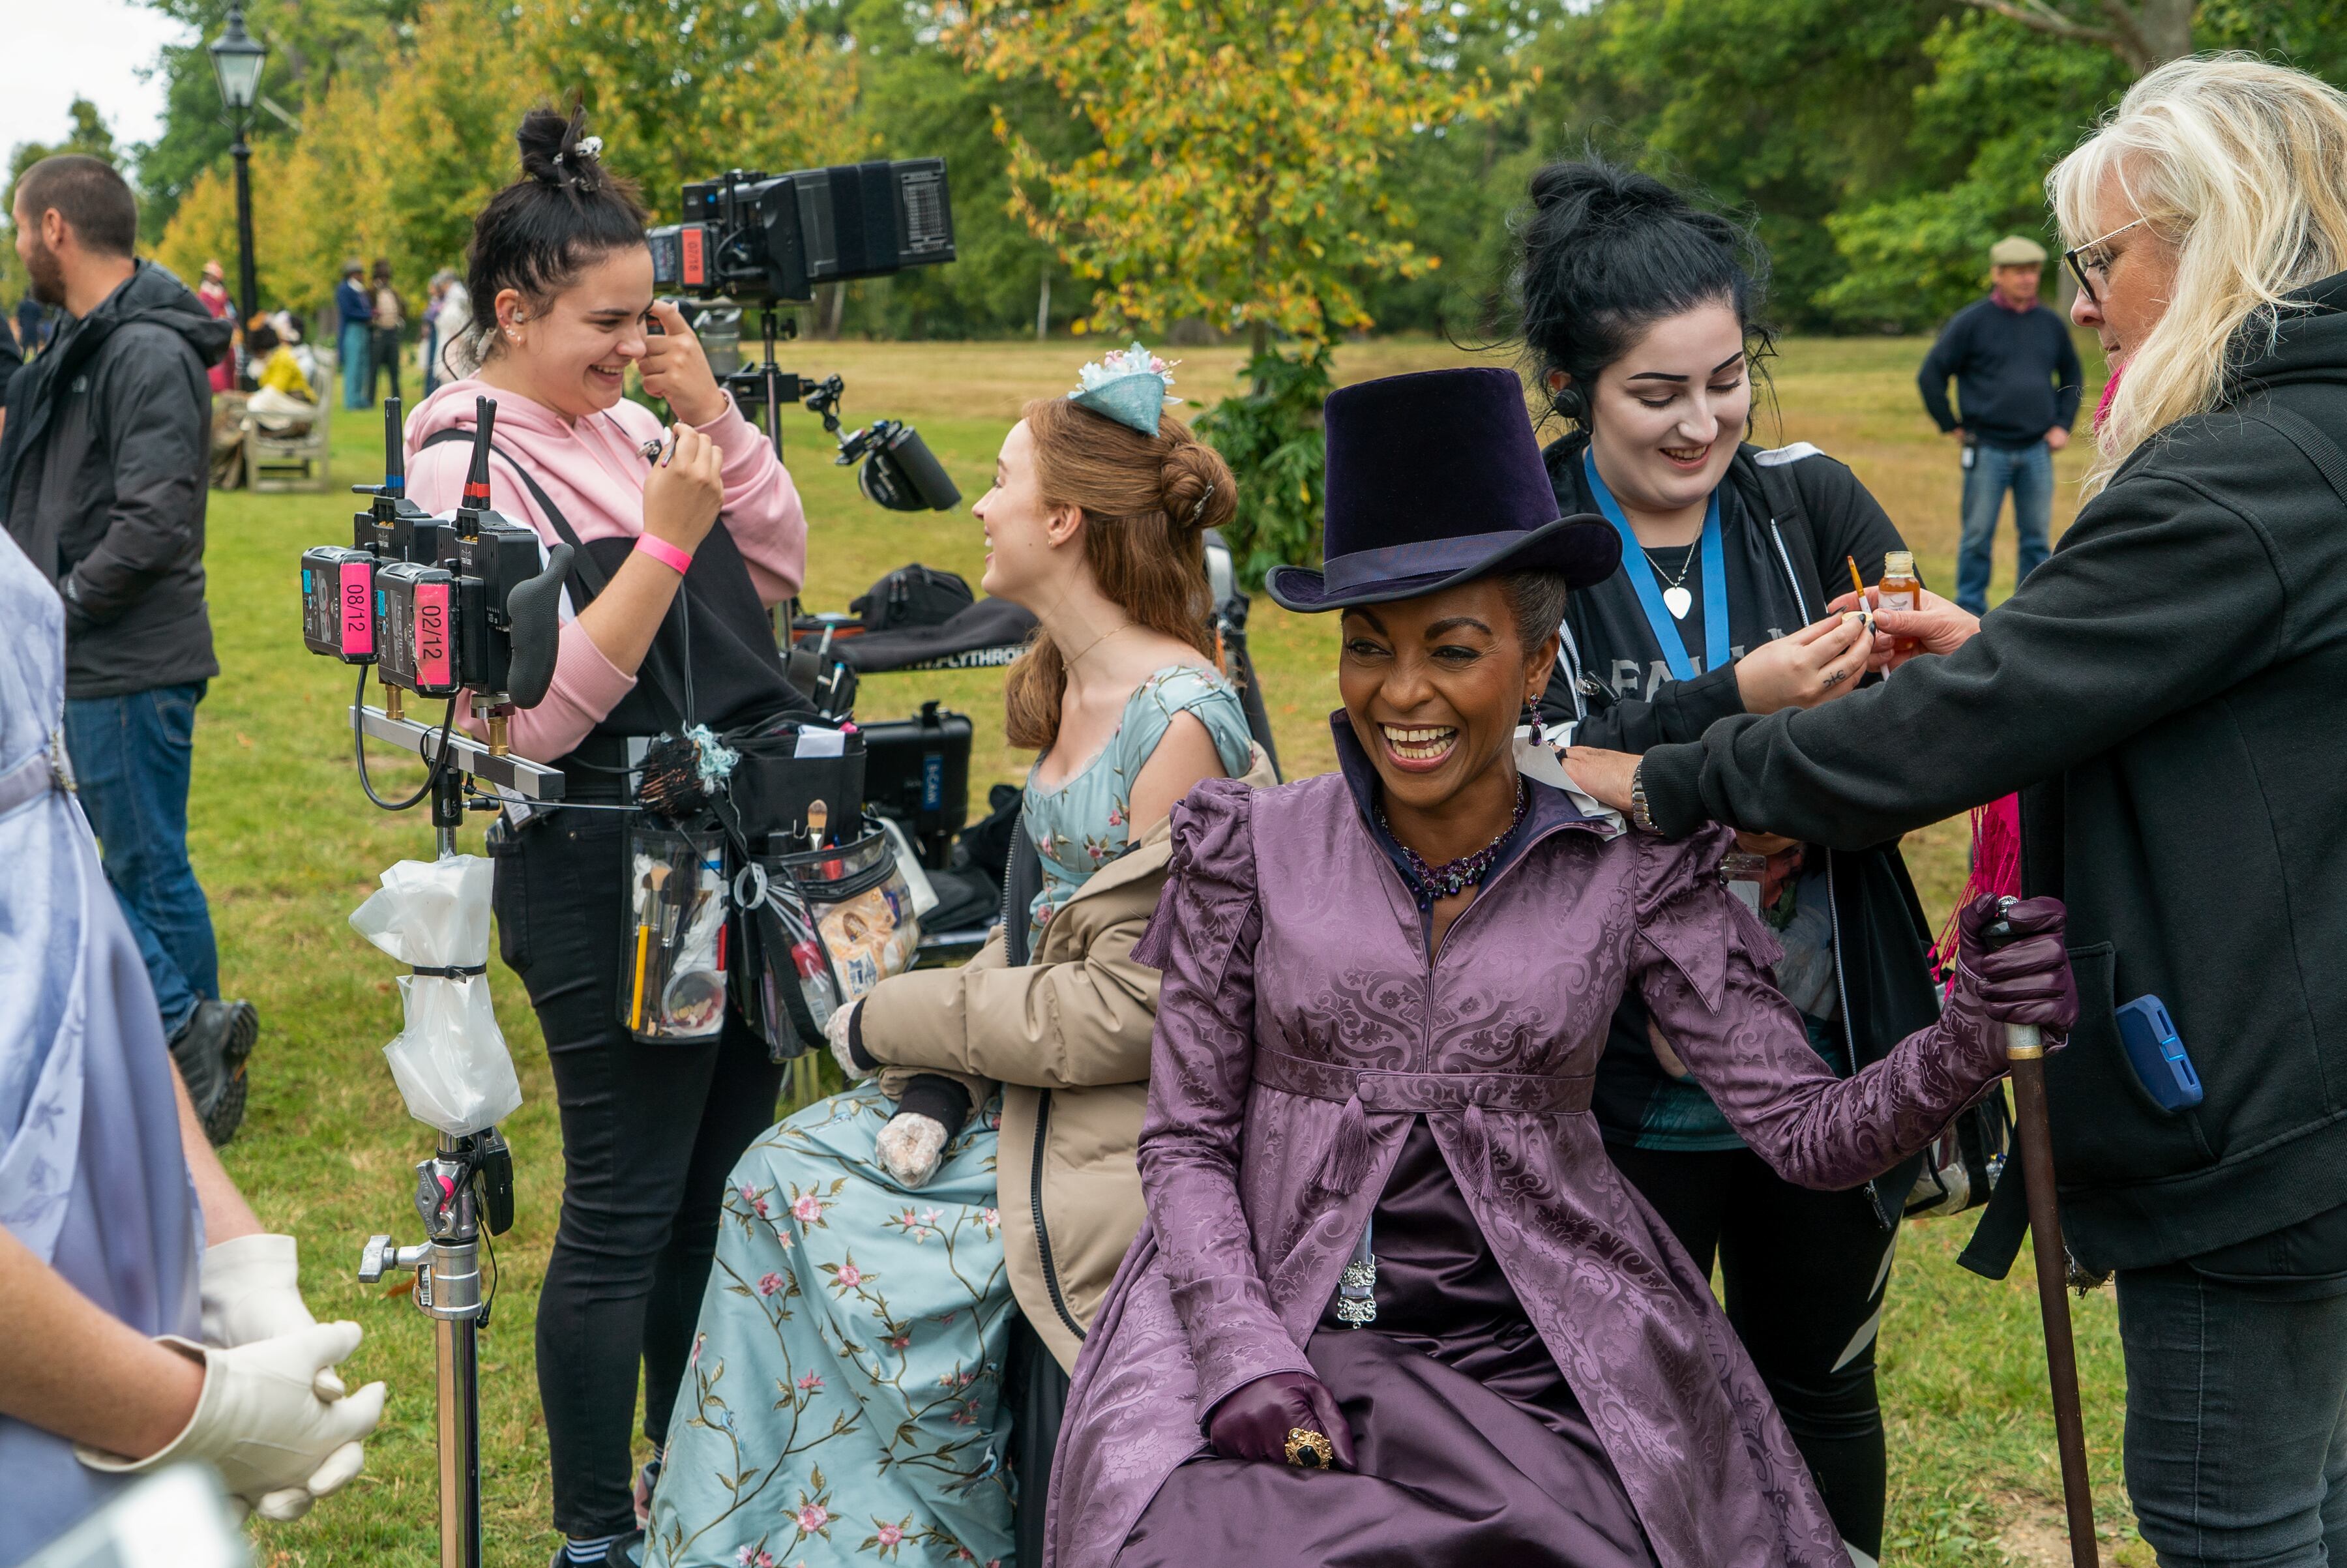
52	51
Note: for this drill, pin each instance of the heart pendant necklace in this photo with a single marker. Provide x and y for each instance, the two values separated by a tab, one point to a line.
1676	598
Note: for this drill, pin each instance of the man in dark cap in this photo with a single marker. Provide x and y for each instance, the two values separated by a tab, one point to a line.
2017	386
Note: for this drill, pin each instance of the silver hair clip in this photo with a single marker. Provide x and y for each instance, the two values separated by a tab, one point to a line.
1199	511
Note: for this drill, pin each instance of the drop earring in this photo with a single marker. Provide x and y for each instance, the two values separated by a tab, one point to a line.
1533	718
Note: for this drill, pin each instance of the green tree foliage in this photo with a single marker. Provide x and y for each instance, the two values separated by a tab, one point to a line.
86	131
1270	436
921	103
1241	175
310	43
1878	148
2004	106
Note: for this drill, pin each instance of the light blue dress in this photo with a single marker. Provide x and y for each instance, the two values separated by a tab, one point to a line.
843	1400
92	1181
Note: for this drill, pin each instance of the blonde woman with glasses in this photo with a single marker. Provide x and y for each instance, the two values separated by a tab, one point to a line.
2165	693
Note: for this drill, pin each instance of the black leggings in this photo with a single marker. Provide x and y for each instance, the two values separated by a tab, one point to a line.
1806	1273
649	1134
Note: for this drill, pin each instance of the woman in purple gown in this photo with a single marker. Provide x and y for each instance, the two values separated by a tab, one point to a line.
1393	1304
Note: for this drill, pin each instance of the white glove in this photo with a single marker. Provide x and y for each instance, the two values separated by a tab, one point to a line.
909	1146
834	1030
261	1423
252	1290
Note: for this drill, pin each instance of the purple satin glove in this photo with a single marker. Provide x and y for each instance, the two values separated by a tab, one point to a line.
1253	1421
2028	980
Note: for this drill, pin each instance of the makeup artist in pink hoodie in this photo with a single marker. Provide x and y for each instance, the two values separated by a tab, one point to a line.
697	524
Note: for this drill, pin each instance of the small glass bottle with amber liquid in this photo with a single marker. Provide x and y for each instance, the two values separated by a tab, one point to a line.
1899	589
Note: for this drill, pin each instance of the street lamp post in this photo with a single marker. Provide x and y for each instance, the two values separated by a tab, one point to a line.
237	58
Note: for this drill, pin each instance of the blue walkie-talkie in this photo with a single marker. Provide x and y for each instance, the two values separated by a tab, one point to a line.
2157	1055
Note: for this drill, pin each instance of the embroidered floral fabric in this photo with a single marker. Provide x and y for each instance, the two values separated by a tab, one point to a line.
842	1401
1087	821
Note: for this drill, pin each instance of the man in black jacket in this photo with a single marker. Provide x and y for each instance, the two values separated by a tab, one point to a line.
103	466
2017	388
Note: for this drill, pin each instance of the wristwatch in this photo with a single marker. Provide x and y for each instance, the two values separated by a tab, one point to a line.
1640	817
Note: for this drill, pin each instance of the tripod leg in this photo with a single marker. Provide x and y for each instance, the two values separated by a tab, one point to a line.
460	1443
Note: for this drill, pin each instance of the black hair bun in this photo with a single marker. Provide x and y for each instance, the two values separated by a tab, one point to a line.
1591	191
1603	253
557	150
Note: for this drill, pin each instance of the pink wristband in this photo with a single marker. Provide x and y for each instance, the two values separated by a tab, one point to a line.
668	555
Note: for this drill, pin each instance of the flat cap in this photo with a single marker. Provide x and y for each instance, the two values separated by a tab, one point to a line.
2012	250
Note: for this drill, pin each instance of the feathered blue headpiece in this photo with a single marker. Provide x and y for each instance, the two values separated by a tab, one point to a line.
1129	388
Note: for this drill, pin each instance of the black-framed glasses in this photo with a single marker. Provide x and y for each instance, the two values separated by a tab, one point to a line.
2079	270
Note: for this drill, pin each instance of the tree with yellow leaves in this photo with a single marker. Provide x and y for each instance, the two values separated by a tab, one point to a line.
1241	176
1244	145
395	161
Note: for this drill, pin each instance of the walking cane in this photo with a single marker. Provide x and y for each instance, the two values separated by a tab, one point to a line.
2024	1049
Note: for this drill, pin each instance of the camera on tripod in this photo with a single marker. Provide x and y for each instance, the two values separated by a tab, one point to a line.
770	239
750	235
440	605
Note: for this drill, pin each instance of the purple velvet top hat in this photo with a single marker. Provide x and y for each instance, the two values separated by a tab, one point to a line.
1435	480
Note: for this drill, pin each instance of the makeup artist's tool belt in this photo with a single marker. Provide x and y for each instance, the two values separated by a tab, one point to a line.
673	932
594	773
1528	1092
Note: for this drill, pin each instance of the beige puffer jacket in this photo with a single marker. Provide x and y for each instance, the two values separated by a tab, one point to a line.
1067	1036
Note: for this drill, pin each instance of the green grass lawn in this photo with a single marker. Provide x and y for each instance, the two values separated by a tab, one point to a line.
287	846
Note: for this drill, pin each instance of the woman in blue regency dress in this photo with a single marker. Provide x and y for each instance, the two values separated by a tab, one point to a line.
845	1401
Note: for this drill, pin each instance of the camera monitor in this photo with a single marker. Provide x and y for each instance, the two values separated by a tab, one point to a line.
748	234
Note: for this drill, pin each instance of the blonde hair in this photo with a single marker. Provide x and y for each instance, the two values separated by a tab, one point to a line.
2239	166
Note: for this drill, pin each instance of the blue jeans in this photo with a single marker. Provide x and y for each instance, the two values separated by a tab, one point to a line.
2236	1420
358	363
2028	473
131	756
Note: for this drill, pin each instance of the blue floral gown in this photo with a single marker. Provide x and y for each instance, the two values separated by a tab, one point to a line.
842	1404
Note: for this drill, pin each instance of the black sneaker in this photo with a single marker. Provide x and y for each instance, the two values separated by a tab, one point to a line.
211	1049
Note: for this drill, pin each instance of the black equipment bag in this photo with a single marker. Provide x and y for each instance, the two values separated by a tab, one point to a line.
986	635
918	770
912	595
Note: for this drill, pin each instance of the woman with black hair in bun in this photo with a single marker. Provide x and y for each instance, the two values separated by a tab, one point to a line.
1639	317
699	523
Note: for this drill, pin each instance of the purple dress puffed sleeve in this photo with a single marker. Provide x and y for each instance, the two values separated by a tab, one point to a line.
1701	961
1202	1062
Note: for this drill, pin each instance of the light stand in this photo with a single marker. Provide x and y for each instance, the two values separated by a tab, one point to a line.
237	59
467	1183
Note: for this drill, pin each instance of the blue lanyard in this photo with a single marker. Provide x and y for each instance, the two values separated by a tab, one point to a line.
1641	573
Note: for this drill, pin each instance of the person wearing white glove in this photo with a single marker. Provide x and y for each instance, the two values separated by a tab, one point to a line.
104	1172
259	1420
910	1146
250	1290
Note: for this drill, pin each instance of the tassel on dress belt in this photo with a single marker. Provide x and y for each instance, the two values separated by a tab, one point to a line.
1357	1299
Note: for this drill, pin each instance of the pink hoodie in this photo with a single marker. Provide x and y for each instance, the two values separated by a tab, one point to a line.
594	471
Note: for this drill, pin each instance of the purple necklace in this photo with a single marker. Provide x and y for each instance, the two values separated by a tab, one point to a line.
1455	876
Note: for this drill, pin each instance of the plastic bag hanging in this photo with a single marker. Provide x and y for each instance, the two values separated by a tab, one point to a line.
451	1063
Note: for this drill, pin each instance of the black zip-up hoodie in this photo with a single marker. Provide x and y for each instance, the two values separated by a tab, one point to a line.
2166	695
1808	515
105	468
